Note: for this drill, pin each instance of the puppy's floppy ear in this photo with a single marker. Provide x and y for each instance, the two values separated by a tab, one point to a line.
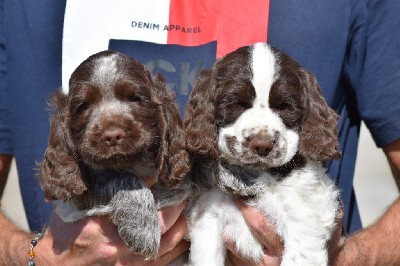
199	121
59	173
319	134
200	130
173	159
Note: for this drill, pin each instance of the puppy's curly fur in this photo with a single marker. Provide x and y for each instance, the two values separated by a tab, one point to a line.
258	126
116	129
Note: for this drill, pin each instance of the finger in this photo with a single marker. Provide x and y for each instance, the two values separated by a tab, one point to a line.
176	252
262	228
173	236
65	234
93	239
237	259
233	256
101	232
338	236
234	260
169	215
103	229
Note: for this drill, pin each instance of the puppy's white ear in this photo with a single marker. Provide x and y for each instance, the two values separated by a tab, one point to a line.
319	135
59	173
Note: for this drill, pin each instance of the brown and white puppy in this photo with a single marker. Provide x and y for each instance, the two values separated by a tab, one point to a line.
116	130
258	127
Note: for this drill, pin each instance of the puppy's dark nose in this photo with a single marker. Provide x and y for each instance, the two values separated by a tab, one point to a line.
113	136
261	144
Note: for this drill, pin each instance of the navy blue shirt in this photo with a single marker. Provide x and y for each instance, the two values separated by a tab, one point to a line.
352	46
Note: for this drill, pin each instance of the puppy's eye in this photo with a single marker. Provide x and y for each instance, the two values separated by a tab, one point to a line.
83	106
244	104
134	98
282	106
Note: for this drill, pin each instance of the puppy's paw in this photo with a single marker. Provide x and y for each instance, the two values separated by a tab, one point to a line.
136	217
249	247
246	244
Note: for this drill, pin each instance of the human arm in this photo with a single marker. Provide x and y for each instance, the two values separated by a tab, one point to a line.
5	162
90	241
379	243
392	152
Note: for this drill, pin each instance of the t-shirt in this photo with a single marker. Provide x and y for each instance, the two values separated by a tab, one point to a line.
350	45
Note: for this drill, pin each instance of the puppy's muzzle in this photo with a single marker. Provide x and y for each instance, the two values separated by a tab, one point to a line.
113	136
261	143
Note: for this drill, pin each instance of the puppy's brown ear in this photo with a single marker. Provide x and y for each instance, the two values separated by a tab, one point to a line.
200	130
319	135
173	159
199	121
59	174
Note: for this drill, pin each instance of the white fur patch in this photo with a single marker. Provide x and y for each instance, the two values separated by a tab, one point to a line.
302	205
260	118
106	69
263	66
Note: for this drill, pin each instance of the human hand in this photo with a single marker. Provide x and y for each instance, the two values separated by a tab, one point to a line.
95	241
264	231
173	230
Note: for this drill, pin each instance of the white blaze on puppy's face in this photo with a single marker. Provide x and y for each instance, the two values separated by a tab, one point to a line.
264	69
259	120
106	69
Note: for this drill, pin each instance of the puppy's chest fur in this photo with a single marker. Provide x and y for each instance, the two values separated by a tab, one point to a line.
301	206
103	186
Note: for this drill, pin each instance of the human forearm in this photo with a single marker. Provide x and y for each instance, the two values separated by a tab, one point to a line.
392	152
14	244
376	245
5	162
